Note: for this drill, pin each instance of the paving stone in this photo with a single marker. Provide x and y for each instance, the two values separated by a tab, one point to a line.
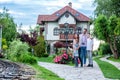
72	73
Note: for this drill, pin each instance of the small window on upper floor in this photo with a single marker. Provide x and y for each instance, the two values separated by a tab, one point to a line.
77	14
56	31
66	15
57	14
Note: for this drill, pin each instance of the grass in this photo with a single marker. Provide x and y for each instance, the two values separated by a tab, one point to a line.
109	70
44	74
50	60
45	59
113	59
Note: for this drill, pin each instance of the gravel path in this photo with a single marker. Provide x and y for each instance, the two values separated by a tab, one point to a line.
71	73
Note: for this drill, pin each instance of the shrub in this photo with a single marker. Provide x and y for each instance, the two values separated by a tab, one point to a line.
17	48
4	44
104	49
26	58
63	58
39	49
45	55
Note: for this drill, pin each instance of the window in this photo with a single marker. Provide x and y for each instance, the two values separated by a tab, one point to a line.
78	30
57	14
66	15
77	14
56	31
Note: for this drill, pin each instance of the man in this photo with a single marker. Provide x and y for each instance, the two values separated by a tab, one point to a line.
83	43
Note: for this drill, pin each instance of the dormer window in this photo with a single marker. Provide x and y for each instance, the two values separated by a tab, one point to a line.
57	14
77	14
66	15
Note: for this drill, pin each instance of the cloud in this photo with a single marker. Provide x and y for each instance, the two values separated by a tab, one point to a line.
27	11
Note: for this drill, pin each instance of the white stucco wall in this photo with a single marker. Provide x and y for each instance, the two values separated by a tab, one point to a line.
69	20
49	31
83	25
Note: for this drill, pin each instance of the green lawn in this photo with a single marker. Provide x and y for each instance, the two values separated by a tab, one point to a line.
45	59
44	74
51	60
113	59
109	70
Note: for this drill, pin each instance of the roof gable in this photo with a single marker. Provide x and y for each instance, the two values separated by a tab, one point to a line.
78	16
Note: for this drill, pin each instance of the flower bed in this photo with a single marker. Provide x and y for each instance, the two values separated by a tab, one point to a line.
63	58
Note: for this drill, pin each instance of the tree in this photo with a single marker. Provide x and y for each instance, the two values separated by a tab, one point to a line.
40	47
105	29
107	7
8	26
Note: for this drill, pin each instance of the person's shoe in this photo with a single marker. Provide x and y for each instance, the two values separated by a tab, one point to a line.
91	65
81	65
88	65
85	65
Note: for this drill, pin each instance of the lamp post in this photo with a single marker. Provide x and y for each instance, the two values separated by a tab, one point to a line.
66	32
0	38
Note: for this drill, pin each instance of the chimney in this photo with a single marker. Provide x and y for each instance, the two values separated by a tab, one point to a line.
70	4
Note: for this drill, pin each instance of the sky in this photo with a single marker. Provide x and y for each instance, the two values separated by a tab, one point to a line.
27	11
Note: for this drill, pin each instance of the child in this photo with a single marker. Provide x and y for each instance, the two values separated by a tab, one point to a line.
89	50
75	51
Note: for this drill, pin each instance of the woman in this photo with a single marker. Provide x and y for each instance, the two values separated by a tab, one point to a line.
75	49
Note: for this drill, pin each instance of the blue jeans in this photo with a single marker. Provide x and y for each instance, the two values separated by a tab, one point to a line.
83	55
76	61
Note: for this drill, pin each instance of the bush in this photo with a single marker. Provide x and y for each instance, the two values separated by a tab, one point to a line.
26	58
17	48
39	49
63	58
4	44
45	55
104	49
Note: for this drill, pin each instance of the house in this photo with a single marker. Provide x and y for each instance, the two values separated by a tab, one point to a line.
54	25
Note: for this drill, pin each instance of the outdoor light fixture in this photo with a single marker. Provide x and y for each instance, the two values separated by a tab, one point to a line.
66	32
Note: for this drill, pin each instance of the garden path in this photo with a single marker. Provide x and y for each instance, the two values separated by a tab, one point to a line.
116	64
71	73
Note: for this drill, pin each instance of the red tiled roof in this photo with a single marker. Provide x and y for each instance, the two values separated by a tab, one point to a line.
79	16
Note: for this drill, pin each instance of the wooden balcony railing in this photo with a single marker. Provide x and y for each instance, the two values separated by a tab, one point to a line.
62	36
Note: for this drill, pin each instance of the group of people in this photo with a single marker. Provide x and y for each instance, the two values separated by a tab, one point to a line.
82	48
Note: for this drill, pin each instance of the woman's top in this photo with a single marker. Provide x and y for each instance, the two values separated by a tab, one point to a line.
75	46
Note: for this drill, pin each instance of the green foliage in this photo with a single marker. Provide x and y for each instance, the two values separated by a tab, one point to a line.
44	74
101	28
8	26
108	31
45	59
113	59
4	44
117	29
104	49
17	48
115	5
18	51
109	70
107	7
26	58
45	55
103	7
39	49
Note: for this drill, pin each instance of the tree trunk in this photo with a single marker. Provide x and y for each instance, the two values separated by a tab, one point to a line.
113	48
116	56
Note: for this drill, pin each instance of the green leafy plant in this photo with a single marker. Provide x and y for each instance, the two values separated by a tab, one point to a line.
104	49
18	51
26	58
39	49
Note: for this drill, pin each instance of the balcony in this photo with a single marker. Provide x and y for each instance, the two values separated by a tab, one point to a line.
63	37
